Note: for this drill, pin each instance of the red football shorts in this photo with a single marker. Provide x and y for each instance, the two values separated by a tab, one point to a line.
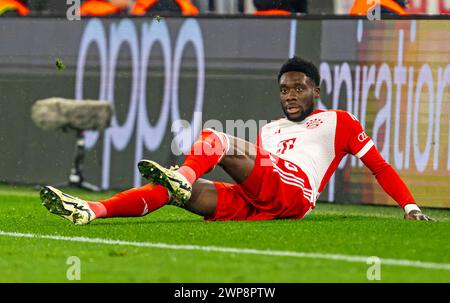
275	189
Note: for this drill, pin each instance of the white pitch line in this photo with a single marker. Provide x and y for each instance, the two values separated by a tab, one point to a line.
346	258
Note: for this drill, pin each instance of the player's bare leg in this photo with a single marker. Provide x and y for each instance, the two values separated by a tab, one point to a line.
234	155
238	163
239	160
203	199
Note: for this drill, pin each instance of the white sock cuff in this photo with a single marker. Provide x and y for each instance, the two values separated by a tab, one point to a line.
410	207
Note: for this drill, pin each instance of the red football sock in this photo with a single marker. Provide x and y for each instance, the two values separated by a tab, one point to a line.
188	173
135	202
204	155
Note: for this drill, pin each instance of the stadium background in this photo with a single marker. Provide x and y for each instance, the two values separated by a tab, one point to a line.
230	73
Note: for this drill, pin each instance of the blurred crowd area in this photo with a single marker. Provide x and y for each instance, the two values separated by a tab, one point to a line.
245	7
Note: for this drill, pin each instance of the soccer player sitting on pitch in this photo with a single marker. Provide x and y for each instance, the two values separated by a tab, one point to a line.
279	177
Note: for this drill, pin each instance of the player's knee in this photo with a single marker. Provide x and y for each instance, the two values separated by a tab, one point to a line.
216	139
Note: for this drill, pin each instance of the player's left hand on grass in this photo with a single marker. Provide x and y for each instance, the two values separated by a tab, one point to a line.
418	215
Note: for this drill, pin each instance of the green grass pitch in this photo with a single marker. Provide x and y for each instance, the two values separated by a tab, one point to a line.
347	230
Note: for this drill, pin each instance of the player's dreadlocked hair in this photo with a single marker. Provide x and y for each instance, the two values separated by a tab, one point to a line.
296	64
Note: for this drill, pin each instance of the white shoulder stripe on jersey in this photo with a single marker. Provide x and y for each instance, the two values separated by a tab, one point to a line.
352	116
365	149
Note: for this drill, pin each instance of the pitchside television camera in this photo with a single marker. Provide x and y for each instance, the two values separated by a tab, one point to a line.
74	116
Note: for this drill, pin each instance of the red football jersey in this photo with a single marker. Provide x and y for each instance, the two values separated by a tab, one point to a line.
318	143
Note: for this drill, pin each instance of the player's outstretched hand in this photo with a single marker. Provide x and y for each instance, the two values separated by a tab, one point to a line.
417	215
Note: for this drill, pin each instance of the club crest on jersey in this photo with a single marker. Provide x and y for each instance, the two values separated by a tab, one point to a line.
313	123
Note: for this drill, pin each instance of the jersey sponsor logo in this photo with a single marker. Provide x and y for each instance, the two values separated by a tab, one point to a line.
313	123
285	145
362	136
